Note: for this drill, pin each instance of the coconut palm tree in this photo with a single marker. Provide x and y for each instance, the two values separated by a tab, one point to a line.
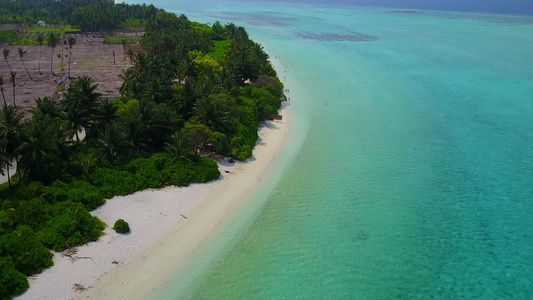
4	162
123	41
53	41
2	89
131	54
113	141
12	79
10	130
39	156
215	112
47	107
81	103
6	54
40	40
21	55
71	42
105	114
180	146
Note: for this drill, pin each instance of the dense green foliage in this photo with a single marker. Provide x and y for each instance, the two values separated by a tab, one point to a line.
12	282
88	15
8	36
121	226
196	90
216	77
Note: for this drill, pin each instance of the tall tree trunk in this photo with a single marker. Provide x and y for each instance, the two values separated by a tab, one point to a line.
18	170
69	55
3	96
40	57
8	177
52	63
8	66
14	94
26	68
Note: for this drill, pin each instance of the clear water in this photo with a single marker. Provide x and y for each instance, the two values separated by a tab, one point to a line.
409	173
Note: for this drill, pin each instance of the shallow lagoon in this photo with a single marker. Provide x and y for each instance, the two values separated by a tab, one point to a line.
408	173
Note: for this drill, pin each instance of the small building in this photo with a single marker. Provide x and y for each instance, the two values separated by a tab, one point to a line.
41	23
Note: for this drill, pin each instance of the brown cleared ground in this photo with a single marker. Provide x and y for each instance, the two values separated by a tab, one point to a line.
93	59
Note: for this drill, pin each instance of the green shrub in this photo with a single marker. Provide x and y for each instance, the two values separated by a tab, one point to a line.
219	143
121	226
8	36
12	282
29	256
242	153
71	224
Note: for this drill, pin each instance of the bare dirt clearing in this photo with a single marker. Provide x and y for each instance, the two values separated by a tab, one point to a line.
91	58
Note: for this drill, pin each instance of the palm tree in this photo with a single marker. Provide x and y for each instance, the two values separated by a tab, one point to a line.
6	54
47	107
124	48
131	54
53	41
2	89
81	103
12	80
105	114
71	42
76	120
21	55
149	126
4	161
215	112
113	141
10	130
40	40
136	132
38	152
61	135
180	146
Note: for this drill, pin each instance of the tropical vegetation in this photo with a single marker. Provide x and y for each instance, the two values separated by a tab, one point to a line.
194	92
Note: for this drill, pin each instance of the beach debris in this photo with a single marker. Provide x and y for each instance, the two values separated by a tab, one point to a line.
183	216
85	257
79	288
275	117
70	253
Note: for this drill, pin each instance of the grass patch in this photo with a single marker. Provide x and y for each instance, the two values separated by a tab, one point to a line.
219	50
61	30
21	42
83	64
44	30
8	36
115	39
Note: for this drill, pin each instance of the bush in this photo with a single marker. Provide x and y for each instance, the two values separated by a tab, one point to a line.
121	226
219	142
28	255
8	36
12	282
71	223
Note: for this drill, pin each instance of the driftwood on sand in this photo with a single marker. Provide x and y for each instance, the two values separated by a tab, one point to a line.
70	252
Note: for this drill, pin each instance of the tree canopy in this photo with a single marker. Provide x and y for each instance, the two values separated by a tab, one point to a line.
195	91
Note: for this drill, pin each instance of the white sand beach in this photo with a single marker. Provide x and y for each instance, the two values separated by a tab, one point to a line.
167	226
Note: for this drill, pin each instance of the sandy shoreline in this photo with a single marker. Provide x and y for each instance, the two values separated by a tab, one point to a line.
167	225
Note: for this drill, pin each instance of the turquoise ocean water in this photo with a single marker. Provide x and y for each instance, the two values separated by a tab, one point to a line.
409	168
